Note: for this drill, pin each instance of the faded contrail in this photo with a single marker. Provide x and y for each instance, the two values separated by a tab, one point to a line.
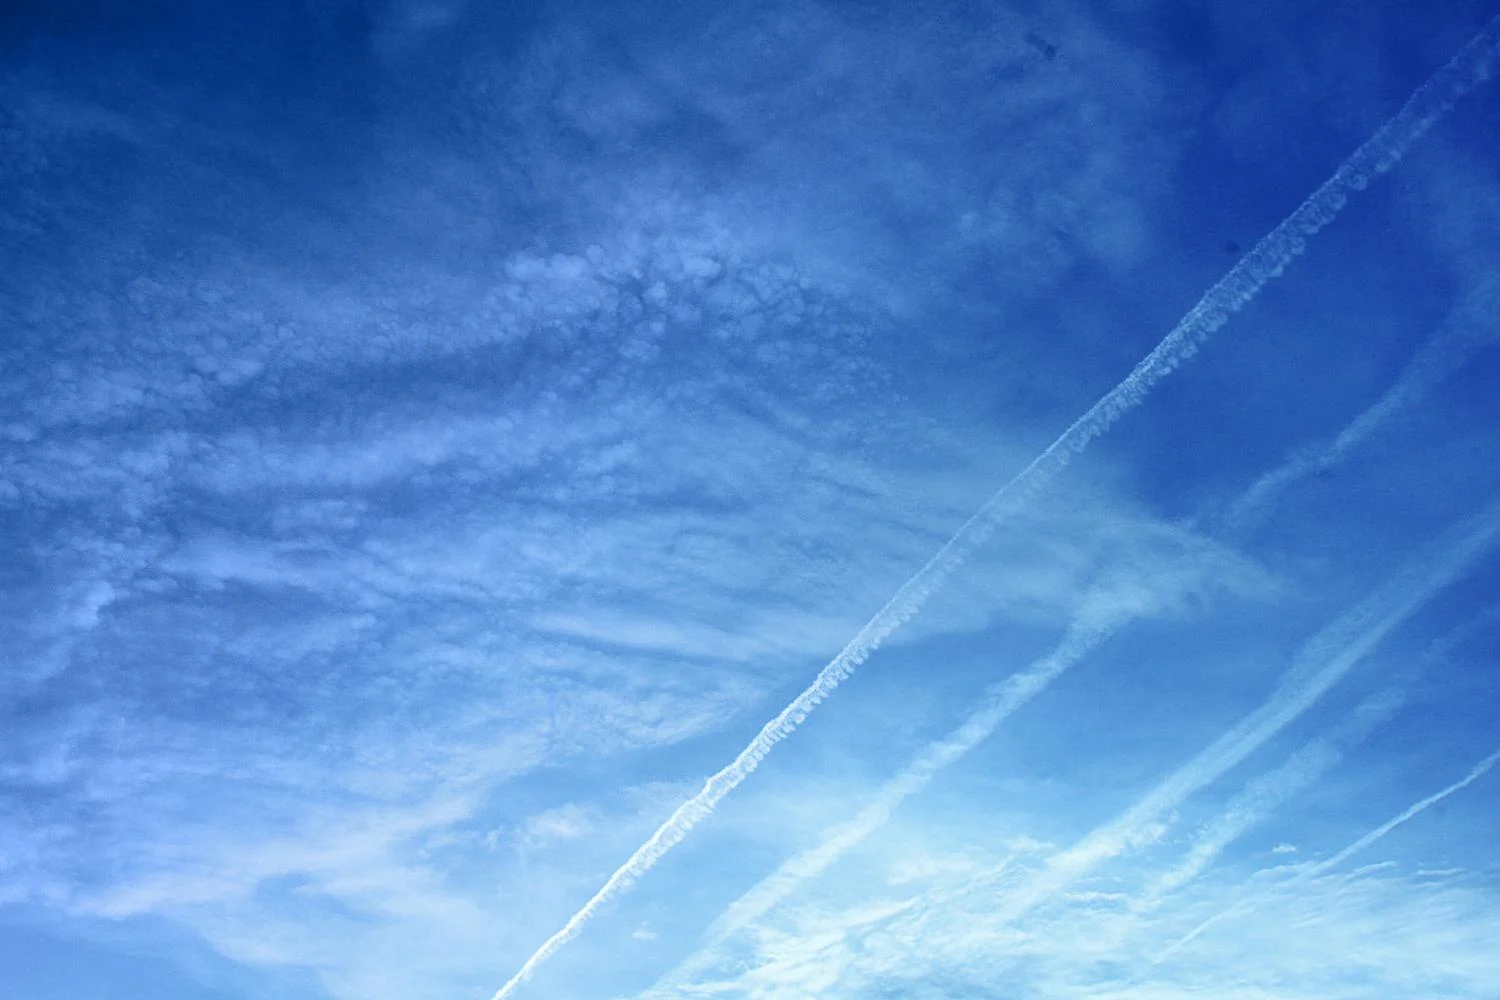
1000	701
1475	773
1264	794
1446	351
1266	260
1260	797
1436	359
1470	327
1322	662
1247	808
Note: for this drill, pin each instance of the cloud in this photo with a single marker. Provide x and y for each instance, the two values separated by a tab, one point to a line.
1330	936
1323	661
563	823
431	432
1237	289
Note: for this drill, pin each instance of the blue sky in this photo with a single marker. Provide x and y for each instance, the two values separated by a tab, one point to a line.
439	436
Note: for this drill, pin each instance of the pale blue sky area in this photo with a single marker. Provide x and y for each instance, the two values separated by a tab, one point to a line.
436	437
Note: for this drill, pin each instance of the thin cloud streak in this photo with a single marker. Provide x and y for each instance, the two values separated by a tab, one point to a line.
1263	795
1265	261
1322	662
1266	793
1338	647
1478	771
1001	701
1440	356
1445	351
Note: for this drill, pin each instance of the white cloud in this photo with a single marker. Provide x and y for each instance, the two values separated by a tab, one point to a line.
370	552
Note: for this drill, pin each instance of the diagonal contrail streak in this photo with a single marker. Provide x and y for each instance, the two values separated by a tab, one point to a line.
1262	795
1001	700
1265	261
1320	664
1478	771
1470	328
1444	353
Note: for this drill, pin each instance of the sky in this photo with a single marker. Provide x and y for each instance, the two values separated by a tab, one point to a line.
749	500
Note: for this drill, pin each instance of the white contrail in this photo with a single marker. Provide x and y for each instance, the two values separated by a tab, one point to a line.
999	702
1266	260
1437	358
1260	797
1475	773
1471	326
1321	663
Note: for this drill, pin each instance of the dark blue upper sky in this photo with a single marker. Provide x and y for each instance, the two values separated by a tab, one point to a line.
436	436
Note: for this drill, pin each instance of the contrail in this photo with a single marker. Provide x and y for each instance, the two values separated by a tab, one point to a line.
1471	326
1438	357
1250	806
1266	260
1322	662
1000	701
1260	797
1475	773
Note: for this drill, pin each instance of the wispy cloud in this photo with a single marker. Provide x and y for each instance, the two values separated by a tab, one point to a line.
1322	662
1313	871
1262	796
1099	619
1265	261
434	435
1309	932
1470	328
1111	604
